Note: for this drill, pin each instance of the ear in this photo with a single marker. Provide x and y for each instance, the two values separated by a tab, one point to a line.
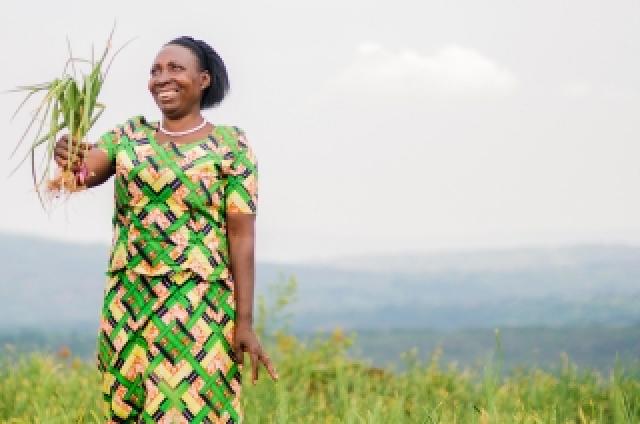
205	80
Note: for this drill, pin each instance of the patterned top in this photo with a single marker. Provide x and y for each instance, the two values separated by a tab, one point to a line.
171	200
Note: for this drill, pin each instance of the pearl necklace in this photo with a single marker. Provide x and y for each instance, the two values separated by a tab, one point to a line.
185	132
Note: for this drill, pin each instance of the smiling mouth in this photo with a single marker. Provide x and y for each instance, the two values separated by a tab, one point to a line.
167	95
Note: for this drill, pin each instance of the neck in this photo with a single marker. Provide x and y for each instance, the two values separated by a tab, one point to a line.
181	123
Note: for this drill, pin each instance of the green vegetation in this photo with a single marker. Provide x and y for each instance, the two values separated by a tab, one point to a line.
69	104
47	389
319	383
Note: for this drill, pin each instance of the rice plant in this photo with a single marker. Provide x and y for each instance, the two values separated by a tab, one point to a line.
69	103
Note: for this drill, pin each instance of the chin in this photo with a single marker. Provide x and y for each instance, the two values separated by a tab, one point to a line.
171	112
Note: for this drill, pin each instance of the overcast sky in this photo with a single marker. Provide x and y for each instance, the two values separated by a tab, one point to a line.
380	127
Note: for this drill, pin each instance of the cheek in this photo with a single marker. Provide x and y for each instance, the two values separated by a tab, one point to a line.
198	85
191	87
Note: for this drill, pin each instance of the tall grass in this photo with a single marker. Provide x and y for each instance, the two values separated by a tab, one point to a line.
320	384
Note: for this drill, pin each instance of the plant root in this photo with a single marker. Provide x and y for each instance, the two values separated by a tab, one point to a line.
66	182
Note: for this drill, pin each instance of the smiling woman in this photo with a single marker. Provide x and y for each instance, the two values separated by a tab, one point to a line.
177	314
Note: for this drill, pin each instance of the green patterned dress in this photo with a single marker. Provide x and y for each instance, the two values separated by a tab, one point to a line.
167	321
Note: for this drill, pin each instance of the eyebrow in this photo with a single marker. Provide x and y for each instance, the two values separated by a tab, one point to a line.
170	63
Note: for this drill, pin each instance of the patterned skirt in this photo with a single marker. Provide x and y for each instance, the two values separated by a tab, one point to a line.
164	350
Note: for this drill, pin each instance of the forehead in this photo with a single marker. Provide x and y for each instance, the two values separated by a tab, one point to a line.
175	53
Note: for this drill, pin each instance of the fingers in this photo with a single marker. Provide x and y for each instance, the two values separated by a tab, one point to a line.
257	357
79	147
251	345
62	160
64	139
254	366
269	366
61	153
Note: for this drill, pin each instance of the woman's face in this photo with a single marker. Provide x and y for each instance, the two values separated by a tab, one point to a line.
176	81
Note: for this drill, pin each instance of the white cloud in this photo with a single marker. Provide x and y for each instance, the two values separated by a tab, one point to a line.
452	71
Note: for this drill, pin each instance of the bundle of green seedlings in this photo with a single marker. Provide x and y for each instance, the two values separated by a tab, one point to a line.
70	105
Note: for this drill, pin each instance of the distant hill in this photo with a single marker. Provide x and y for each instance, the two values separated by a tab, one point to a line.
54	284
493	259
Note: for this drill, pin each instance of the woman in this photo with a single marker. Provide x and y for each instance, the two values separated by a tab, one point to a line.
177	314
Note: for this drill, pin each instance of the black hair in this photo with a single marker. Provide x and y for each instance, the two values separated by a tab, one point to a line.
211	62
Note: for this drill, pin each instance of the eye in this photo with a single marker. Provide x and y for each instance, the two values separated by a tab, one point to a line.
176	67
154	71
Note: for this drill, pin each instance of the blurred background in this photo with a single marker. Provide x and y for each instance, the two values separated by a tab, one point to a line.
429	171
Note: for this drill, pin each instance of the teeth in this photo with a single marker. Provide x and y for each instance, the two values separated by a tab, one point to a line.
164	95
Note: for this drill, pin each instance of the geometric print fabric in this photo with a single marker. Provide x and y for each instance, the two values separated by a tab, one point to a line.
165	352
171	200
168	316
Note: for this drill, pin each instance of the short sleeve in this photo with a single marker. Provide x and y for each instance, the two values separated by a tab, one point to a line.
108	143
241	192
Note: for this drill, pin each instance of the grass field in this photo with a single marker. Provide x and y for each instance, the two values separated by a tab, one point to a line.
318	384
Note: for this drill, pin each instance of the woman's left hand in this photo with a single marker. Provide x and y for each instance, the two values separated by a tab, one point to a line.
246	340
